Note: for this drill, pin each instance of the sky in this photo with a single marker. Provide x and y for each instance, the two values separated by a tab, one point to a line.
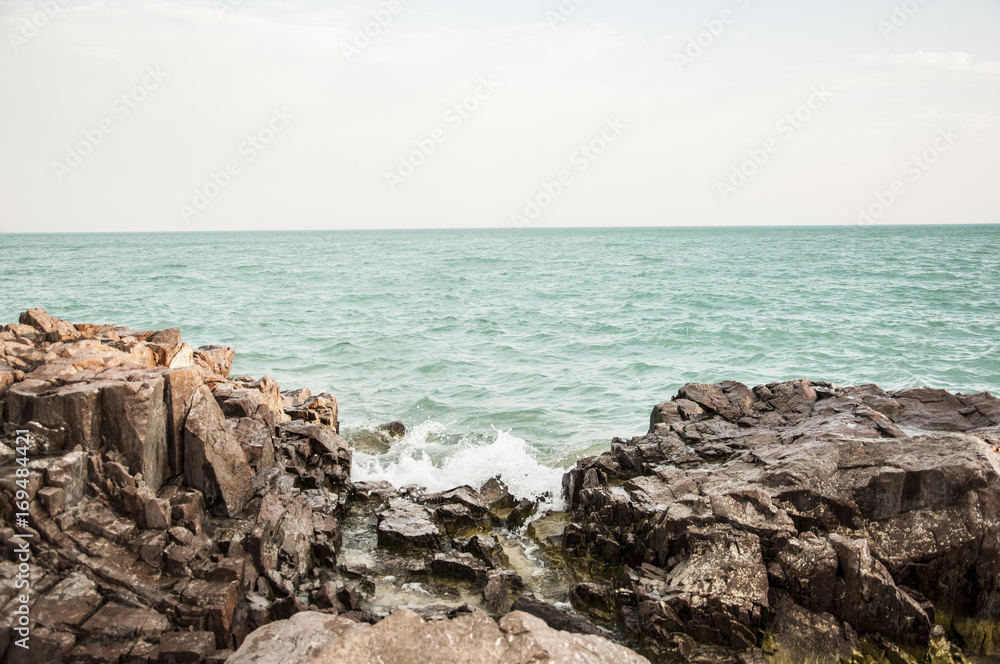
217	115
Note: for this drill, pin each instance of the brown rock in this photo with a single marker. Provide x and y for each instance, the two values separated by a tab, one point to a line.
186	647
215	362
501	591
117	622
67	604
471	638
407	525
181	387
134	422
213	460
297	640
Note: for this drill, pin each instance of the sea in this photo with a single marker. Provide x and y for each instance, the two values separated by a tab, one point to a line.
515	352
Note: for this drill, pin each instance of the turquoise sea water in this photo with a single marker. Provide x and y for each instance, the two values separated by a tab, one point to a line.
517	351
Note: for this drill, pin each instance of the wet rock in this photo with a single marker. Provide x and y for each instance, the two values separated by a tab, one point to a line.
379	440
555	617
799	488
596	600
501	591
461	567
522	512
392	429
407	525
496	495
798	635
487	549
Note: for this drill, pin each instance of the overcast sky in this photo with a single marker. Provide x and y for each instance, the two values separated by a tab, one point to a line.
126	116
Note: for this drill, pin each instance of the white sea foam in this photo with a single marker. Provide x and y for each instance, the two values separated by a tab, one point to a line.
426	457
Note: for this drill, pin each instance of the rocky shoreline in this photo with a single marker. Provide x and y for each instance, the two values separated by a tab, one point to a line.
178	514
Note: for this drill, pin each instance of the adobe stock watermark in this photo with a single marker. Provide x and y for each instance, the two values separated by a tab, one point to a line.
21	624
785	129
32	25
914	169
121	109
563	12
714	29
900	16
580	161
454	118
220	180
381	18
224	8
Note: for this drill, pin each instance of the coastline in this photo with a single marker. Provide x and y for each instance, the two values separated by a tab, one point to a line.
174	510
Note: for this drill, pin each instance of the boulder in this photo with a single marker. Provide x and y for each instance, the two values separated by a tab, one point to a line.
471	638
298	640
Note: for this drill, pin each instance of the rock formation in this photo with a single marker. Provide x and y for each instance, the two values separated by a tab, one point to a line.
801	517
178	514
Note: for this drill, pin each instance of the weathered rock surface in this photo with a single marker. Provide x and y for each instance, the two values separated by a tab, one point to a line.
803	490
405	638
162	530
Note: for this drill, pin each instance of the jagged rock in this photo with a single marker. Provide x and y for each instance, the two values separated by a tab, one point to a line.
122	623
319	409
215	362
496	495
213	460
134	422
522	512
68	604
799	636
501	591
282	537
73	410
594	599
460	566
555	617
55	329
407	525
868	598
800	488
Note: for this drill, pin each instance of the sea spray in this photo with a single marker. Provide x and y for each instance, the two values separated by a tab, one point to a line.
430	457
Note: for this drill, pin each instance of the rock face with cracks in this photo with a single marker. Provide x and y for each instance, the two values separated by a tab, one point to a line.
178	514
743	507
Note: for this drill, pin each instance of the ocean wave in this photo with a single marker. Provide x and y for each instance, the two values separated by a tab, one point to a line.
429	457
